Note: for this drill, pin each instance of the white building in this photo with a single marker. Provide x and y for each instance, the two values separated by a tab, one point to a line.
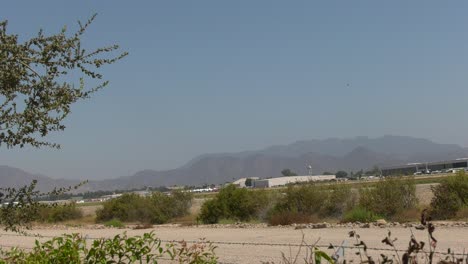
281	181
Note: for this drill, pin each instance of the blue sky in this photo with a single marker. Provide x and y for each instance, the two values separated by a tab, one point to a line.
222	76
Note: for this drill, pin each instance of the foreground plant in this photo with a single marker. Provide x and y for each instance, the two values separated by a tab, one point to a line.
121	249
35	94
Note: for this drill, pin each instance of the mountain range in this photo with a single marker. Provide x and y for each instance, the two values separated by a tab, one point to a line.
333	154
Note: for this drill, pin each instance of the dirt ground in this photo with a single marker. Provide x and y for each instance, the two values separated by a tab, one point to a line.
260	245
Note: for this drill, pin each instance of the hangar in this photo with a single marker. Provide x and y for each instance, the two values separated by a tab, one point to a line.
411	168
281	181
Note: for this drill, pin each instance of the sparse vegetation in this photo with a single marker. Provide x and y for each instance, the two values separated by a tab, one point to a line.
119	249
155	209
450	197
116	223
234	203
59	213
390	196
311	201
359	214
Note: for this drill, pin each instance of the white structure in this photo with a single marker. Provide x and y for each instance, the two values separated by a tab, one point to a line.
281	181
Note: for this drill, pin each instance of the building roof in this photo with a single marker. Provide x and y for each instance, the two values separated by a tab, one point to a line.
412	165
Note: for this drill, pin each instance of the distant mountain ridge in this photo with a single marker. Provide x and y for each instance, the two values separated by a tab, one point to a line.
331	154
14	177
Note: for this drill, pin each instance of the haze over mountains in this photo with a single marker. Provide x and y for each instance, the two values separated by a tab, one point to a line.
324	155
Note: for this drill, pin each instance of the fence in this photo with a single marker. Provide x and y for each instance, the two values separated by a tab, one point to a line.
295	246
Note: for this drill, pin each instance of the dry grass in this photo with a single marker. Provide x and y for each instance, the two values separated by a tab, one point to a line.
462	214
407	215
188	220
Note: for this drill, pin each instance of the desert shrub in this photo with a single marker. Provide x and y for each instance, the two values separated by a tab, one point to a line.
450	196
119	249
114	223
339	199
389	196
308	202
155	209
234	203
211	212
305	199
59	213
360	214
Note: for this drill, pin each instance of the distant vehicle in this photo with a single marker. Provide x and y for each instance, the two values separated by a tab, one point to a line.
436	172
417	173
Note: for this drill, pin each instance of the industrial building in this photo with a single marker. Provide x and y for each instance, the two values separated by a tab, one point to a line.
412	168
281	181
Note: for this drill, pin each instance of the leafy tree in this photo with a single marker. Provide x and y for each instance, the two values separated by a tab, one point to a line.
288	172
341	174
36	96
248	182
375	171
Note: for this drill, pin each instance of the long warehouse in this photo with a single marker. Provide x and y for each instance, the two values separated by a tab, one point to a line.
412	168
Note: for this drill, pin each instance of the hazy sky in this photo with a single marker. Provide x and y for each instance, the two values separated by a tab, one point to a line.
222	76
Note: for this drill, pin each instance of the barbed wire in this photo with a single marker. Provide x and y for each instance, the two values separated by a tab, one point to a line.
331	246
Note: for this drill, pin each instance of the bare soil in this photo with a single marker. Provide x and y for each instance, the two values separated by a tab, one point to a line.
259	245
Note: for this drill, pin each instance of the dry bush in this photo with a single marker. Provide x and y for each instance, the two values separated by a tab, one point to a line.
309	202
156	209
234	203
389	196
450	196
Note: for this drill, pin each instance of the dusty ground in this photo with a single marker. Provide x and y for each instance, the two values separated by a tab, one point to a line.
260	242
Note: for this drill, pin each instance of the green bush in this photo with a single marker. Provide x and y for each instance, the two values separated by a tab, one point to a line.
155	209
147	248
234	203
389	196
339	199
59	213
308	202
359	214
305	199
211	212
114	223
450	196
